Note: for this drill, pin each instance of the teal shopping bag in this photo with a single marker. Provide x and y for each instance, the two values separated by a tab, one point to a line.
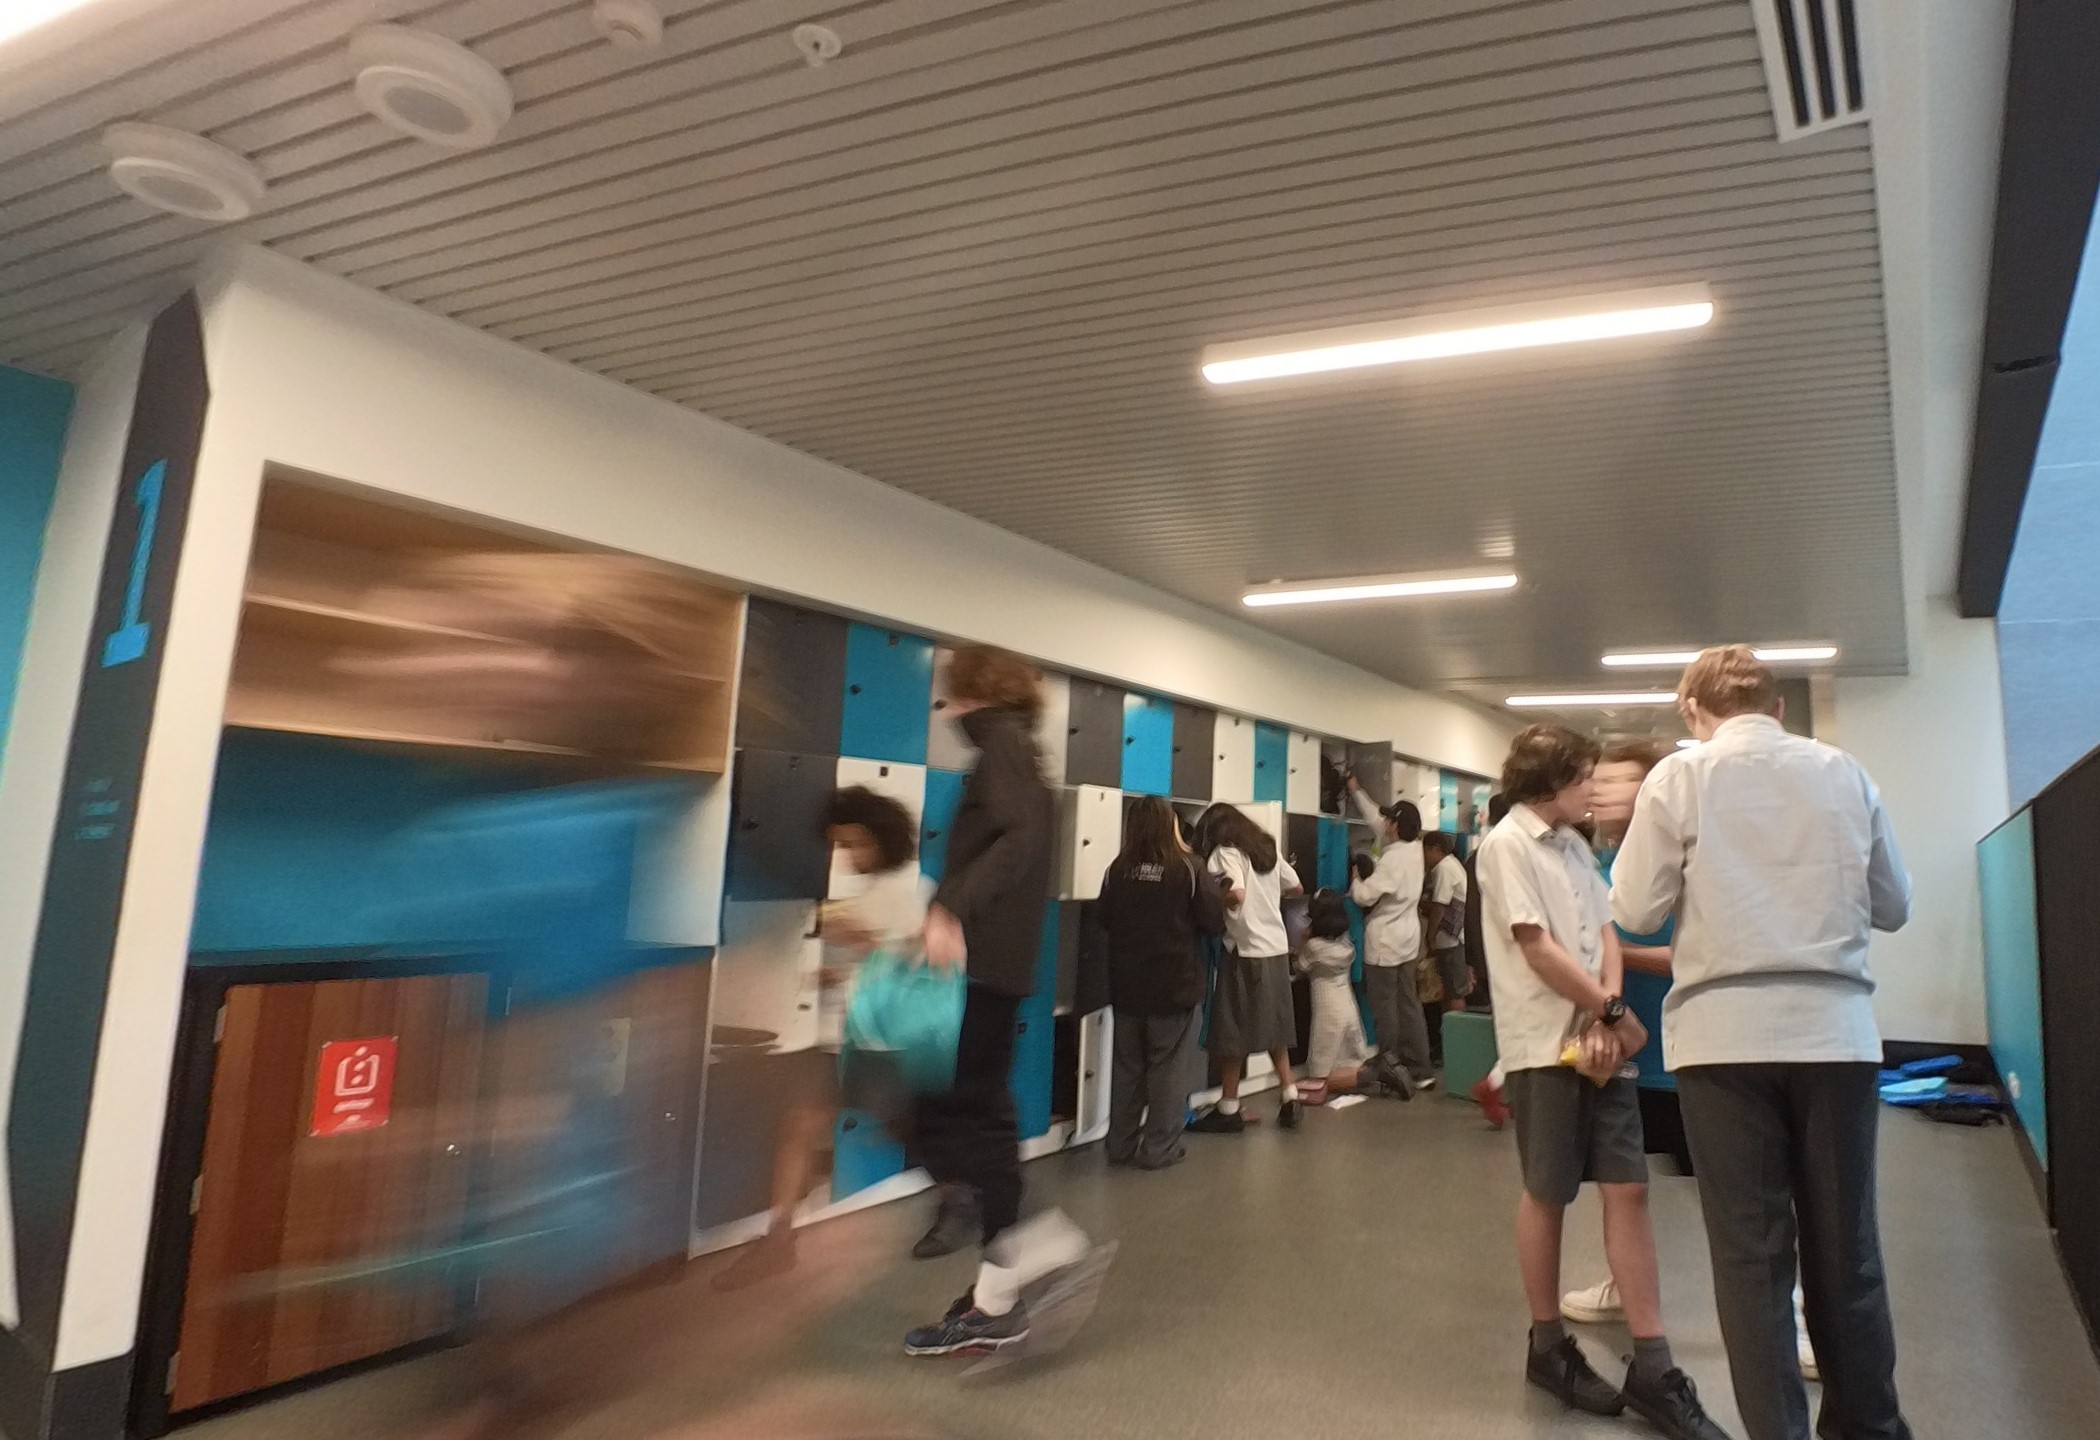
909	1012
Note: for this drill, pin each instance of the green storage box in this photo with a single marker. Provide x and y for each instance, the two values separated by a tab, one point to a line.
1469	1051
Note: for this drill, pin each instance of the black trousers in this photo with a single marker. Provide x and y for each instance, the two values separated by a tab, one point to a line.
970	1135
1149	1084
1785	1156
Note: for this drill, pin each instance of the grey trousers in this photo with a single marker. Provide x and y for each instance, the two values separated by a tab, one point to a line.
1149	1085
1403	1032
1785	1159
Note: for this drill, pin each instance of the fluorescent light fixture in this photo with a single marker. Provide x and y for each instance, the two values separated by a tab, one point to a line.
1770	654
19	17
1606	700
1378	587
1471	332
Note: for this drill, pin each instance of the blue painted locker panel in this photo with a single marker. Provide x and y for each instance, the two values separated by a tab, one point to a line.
1148	745
1272	763
863	1154
1447	804
1035	1046
944	790
889	689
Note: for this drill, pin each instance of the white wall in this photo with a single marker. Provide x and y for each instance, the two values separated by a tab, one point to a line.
1934	739
54	650
313	373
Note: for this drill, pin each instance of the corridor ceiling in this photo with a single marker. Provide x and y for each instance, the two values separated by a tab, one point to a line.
977	256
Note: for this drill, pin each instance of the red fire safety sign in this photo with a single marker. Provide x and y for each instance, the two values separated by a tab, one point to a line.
353	1086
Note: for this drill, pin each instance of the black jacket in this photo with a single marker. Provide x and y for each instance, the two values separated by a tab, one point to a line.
1152	918
997	878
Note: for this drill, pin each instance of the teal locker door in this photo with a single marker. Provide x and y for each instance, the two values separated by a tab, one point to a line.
944	790
1035	1044
862	1154
1148	745
889	689
1447	803
1272	763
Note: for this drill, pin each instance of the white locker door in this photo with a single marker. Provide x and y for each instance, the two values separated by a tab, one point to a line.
906	784
1232	768
1096	1049
1091	831
1269	815
766	970
1054	734
1303	794
947	748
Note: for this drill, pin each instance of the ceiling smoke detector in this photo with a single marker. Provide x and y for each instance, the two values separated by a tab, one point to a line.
429	87
186	174
628	24
818	44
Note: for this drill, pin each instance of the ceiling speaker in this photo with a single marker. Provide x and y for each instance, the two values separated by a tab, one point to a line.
429	87
182	173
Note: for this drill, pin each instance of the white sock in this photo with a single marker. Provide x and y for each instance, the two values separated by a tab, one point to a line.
1495	1076
1230	1106
1290	1091
997	1288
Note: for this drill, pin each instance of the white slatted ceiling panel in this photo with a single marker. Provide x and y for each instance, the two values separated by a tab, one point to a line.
977	256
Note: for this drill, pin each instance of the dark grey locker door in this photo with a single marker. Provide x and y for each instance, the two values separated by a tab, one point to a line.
1334	763
777	847
1094	744
1194	729
1373	767
794	685
1301	834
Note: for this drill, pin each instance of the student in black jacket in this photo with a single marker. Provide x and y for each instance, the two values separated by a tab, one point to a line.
987	916
1154	906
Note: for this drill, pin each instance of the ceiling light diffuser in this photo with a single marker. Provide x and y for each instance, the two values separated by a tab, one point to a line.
182	173
1770	654
19	17
1473	332
1609	700
1378	587
429	87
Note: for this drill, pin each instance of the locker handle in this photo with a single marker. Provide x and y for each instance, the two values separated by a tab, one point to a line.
1130	739
750	824
853	689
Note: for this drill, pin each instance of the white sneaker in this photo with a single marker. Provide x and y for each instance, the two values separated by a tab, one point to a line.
1594	1306
1803	1350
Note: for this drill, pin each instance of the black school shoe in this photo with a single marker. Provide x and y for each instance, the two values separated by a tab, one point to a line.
1217	1122
1565	1373
1287	1114
954	1227
1671	1405
967	1330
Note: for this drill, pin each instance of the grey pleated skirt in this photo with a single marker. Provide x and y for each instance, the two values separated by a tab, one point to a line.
1250	1011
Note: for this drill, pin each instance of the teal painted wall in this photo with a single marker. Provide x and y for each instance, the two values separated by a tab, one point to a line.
2012	971
33	413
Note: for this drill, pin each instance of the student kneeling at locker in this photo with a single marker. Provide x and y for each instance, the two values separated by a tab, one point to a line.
1338	1059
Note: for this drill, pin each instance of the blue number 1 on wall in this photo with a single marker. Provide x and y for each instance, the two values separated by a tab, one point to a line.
128	641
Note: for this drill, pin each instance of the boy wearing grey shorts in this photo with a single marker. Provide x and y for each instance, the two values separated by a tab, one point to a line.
1555	969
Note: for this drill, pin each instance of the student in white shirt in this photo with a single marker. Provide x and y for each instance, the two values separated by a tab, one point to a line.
1251	1010
1777	859
1388	888
1444	916
878	839
1555	966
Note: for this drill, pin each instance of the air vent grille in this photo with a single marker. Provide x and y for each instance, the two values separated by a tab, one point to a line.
1812	64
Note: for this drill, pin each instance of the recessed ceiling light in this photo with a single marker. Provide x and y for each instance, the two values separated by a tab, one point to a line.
182	173
428	87
1473	332
1608	700
1770	654
1377	587
19	17
819	44
628	24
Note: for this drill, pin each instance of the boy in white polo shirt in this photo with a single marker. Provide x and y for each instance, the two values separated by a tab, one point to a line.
1555	970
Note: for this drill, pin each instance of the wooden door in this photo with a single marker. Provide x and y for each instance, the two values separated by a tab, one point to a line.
293	1230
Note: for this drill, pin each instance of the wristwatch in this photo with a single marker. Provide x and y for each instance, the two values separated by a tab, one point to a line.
1614	1011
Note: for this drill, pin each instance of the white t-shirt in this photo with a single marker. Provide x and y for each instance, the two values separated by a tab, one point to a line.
1256	927
1447	887
1532	873
892	903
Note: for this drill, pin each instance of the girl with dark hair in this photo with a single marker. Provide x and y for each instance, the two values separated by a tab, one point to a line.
1337	1053
1155	904
1251	1011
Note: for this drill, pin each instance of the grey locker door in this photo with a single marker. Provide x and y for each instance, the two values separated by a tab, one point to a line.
777	847
1334	764
1302	847
1194	729
794	685
1094	731
1373	767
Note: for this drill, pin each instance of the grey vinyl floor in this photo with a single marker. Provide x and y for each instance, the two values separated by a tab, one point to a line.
1354	1279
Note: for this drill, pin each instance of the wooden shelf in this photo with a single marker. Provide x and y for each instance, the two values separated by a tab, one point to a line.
334	576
